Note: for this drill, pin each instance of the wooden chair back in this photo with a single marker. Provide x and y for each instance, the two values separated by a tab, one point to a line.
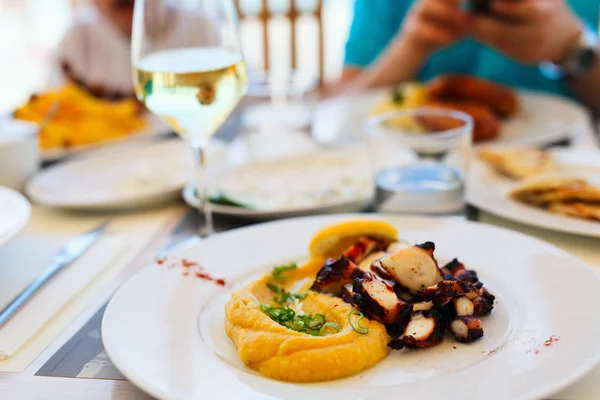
292	14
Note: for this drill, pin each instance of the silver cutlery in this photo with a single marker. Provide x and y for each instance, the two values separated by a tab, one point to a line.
74	249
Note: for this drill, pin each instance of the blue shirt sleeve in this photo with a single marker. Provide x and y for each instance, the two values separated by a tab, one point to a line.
375	23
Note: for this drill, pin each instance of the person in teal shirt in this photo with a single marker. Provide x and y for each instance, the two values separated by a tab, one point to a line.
392	41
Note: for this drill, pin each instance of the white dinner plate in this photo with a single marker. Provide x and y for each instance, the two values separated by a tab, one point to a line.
264	215
14	213
164	330
296	185
155	128
123	178
489	191
543	119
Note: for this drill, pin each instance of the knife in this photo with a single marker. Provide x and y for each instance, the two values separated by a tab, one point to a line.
74	249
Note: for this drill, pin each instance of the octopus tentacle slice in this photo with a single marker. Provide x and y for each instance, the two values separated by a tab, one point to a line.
425	329
458	271
335	274
466	329
413	268
365	246
376	299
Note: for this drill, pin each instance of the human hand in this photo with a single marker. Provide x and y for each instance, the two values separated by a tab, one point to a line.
433	24
529	31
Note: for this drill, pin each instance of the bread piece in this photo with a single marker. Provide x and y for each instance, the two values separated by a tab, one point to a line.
542	191
518	163
578	210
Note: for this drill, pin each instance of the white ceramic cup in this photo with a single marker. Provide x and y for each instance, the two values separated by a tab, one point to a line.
19	154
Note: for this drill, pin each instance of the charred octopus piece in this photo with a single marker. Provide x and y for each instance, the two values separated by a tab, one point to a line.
347	293
458	271
463	306
381	272
484	303
377	300
442	292
425	329
423	306
466	329
371	259
334	275
365	246
413	268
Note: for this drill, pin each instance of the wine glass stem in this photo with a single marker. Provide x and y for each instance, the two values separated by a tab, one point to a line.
205	226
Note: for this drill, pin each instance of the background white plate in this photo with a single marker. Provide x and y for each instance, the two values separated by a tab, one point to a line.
259	215
275	176
488	190
155	128
543	119
133	177
14	213
164	331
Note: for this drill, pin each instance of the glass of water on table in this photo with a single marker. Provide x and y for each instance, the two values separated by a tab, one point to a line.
419	159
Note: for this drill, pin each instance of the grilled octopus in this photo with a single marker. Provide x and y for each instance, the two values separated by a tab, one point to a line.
403	287
425	329
413	268
378	301
334	275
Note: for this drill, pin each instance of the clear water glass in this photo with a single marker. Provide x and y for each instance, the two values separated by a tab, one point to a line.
419	159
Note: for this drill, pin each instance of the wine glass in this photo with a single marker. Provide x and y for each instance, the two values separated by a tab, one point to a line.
188	69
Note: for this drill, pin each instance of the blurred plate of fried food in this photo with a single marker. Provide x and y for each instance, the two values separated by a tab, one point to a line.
501	115
557	190
73	121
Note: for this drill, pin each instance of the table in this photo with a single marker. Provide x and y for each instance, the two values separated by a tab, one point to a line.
177	224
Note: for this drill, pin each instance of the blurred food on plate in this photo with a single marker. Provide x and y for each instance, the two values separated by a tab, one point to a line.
72	117
570	196
518	163
486	102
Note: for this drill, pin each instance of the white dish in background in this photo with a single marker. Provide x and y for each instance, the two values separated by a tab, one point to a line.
14	213
324	181
543	119
188	355
123	178
489	191
156	128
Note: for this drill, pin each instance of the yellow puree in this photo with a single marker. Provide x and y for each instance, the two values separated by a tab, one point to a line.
280	353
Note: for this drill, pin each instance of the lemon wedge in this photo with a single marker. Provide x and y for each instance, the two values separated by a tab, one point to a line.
332	240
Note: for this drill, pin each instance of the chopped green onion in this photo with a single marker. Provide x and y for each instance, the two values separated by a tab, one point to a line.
332	325
287	317
278	271
358	327
398	96
317	322
282	296
297	325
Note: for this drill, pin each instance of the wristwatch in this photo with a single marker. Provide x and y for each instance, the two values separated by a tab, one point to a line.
582	57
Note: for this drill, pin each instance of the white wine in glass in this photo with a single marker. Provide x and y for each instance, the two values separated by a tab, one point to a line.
189	70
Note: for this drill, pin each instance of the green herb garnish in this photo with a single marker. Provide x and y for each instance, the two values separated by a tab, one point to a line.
398	96
282	296
315	326
358	327
278	271
326	325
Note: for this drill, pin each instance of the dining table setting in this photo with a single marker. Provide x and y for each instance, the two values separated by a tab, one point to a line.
233	233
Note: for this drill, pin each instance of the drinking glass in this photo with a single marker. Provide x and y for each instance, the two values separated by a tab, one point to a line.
419	159
189	70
